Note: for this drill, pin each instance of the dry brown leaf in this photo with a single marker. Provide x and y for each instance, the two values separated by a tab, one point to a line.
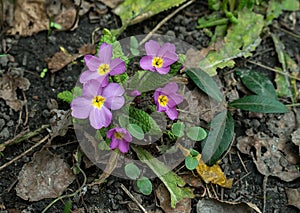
217	206
111	3
29	17
8	86
163	196
293	196
62	58
296	138
46	176
273	156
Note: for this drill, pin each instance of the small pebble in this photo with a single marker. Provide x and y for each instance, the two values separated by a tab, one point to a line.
10	123
4	134
2	123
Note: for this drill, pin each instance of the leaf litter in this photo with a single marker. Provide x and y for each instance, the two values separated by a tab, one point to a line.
46	176
9	83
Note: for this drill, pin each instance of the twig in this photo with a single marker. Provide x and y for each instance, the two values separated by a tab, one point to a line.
68	195
26	108
242	162
241	178
133	198
293	105
22	136
265	193
164	21
288	32
24	153
274	70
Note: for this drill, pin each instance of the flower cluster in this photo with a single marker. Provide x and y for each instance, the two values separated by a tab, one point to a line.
100	96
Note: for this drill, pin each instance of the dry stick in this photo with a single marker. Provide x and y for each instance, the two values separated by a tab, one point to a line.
265	192
241	178
274	70
164	21
133	198
24	153
242	162
26	108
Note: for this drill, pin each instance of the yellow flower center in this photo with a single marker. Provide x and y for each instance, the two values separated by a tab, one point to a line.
119	135
163	100
98	101
157	62
103	69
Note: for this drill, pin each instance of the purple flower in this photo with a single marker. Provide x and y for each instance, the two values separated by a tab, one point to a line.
120	138
96	101
101	67
135	93
158	58
166	100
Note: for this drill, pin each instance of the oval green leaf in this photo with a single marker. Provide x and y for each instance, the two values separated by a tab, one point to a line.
194	153
191	162
259	103
257	83
144	185
136	131
196	133
178	129
132	171
219	138
206	83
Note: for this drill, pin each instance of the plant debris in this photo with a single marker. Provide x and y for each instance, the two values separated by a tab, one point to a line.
46	176
293	197
9	83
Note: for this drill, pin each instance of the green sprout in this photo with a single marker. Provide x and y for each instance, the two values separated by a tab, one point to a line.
43	73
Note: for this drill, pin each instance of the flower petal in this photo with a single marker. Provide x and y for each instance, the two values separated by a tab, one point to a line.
115	103
100	118
80	107
112	90
105	53
110	133
172	113
92	62
156	94
88	75
114	143
174	99
169	59
91	88
127	137
170	87
152	47
163	70
167	47
117	66
146	63
123	146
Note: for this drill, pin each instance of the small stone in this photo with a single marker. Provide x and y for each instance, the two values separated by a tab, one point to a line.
2	123
46	113
10	123
95	190
4	134
171	33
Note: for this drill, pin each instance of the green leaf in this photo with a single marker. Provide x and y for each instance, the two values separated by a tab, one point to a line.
257	83
275	8
68	206
173	182
241	39
194	153
144	185
66	96
178	129
134	44
205	83
196	133
134	11
219	138
146	81
132	171
191	162
144	120
136	131
259	103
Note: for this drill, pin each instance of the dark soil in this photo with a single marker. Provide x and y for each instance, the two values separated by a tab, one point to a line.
29	56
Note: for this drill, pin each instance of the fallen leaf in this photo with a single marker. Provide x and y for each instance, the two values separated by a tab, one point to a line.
46	176
62	58
216	206
59	122
273	156
210	174
241	39
296	138
163	196
29	17
293	196
9	83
